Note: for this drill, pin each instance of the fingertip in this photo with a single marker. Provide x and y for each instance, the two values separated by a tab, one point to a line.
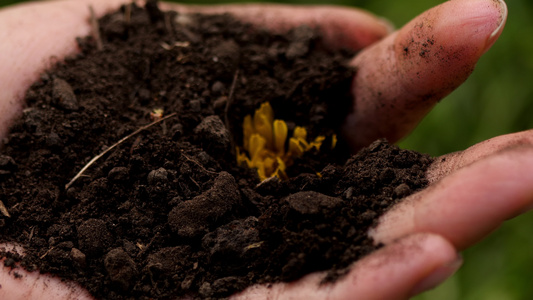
446	164
469	26
437	276
402	77
467	204
401	269
446	261
498	31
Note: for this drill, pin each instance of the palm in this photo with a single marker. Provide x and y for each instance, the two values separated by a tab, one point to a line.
399	79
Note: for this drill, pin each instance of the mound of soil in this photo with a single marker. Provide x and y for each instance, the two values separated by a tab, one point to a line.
168	212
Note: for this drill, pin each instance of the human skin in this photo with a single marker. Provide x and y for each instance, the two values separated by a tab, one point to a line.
401	76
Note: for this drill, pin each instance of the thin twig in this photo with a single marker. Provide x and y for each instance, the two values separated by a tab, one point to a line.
230	97
194	181
127	14
47	252
32	229
229	101
140	246
168	25
197	163
144	248
96	29
115	145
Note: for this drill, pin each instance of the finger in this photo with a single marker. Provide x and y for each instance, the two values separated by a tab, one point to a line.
341	27
18	284
33	33
446	164
402	77
469	203
397	271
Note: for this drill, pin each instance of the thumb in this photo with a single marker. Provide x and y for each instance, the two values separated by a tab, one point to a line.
402	77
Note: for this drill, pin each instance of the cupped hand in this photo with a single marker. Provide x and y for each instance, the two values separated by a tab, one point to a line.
401	76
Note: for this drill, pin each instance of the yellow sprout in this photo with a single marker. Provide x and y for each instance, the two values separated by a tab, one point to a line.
265	142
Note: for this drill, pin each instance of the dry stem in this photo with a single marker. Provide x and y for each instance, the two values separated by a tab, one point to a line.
198	164
113	146
127	13
47	252
96	29
229	101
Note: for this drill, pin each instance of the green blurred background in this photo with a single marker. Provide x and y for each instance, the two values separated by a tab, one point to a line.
497	99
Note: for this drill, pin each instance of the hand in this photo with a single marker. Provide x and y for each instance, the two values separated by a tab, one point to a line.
400	78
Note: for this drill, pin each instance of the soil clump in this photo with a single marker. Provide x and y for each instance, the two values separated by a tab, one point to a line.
168	212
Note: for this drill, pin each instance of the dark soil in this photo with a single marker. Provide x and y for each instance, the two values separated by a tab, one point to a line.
168	212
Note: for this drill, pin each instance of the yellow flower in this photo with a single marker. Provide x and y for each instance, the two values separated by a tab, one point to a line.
265	142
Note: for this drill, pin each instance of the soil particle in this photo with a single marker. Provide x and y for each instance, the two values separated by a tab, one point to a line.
64	95
78	257
232	242
118	175
311	203
120	267
168	260
402	190
213	135
195	217
7	165
9	262
157	176
93	236
169	213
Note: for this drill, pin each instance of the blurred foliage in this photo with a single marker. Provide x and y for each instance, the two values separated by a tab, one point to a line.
497	99
9	2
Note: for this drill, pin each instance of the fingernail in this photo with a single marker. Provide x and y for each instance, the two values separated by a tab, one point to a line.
503	18
475	21
438	276
481	20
